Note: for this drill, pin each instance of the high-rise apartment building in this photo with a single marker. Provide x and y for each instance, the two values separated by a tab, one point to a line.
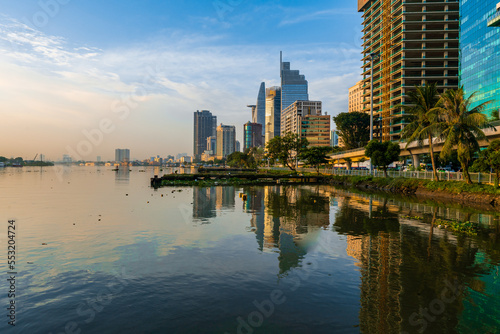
293	85
212	144
252	135
411	42
226	140
480	52
122	155
205	125
356	97
273	112
305	119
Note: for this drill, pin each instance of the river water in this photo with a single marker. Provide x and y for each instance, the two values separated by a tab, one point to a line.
99	251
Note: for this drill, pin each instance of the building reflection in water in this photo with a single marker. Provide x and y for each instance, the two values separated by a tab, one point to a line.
405	266
282	216
122	175
409	271
208	200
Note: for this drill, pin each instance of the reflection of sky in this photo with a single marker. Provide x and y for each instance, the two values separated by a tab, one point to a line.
183	274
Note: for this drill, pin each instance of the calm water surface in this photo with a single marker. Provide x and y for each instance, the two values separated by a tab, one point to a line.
101	252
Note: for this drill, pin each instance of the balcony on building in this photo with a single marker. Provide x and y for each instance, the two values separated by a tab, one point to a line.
494	21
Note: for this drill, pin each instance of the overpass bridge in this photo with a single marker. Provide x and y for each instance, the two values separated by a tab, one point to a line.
413	150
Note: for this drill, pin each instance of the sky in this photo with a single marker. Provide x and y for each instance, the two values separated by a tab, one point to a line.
86	77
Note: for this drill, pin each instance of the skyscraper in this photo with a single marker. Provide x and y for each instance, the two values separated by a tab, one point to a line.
411	43
260	107
273	112
293	85
254	112
205	125
122	155
480	56
226	140
252	135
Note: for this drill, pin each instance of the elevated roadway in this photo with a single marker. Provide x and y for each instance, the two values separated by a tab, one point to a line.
413	150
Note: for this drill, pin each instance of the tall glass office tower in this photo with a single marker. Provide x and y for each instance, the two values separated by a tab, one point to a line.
273	112
205	125
480	46
260	107
293	85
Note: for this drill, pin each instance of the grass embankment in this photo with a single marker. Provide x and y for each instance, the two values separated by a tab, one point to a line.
411	186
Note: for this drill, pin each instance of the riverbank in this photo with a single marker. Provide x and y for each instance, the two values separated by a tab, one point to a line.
482	194
223	178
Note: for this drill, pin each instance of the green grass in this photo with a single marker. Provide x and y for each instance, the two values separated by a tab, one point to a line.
453	187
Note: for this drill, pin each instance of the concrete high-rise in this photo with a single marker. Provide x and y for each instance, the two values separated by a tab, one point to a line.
305	119
122	155
273	112
416	42
293	85
356	97
480	52
226	140
212	144
252	135
205	125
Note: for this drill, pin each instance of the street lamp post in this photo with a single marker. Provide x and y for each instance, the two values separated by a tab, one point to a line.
373	56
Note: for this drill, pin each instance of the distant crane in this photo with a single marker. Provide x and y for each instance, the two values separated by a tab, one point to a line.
35	157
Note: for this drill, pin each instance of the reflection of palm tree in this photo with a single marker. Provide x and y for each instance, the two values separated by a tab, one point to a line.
431	232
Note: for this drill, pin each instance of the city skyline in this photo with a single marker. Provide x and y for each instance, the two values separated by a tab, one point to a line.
97	81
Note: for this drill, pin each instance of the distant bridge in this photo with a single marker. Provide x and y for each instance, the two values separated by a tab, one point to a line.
413	150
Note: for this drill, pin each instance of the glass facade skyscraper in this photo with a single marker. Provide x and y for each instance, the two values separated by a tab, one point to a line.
260	108
480	52
293	85
252	135
205	125
273	112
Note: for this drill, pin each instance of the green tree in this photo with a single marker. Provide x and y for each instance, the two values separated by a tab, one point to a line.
240	159
422	118
315	156
353	128
257	153
382	154
461	126
284	149
490	159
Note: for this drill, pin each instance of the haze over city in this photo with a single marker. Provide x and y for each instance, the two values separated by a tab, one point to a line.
139	72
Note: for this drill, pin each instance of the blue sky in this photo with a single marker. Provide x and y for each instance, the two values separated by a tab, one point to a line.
145	66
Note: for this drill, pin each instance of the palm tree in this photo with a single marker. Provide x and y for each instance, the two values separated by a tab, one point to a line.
422	117
461	126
